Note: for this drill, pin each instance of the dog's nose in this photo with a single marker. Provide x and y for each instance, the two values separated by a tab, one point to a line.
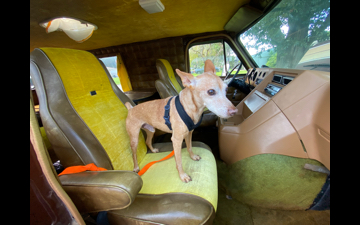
232	111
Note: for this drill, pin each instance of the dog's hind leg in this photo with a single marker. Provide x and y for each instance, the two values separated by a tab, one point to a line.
150	131
188	140
133	131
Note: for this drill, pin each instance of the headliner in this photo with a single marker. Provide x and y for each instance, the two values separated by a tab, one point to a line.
124	21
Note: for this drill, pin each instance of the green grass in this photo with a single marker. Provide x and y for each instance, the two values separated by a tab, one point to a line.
117	80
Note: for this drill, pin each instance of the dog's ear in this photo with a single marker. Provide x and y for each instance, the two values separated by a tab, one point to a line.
188	80
209	66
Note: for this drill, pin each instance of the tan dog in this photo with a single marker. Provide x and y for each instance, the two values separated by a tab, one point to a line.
205	90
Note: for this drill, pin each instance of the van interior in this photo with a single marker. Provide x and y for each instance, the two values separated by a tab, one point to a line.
268	164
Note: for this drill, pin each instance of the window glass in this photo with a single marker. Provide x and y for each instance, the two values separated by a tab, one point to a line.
111	66
198	54
232	60
295	34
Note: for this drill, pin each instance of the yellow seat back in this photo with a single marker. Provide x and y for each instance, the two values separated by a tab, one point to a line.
170	75
90	93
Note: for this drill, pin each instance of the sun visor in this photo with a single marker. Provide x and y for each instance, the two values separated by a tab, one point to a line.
243	18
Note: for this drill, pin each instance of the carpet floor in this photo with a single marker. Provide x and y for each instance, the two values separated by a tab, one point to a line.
234	212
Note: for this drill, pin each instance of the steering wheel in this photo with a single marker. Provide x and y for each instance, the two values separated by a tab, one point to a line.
229	79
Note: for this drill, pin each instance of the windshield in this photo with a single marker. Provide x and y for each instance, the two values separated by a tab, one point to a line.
295	35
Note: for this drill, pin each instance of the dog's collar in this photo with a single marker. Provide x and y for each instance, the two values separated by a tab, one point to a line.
182	113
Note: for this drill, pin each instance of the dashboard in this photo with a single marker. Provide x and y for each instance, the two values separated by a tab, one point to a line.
279	80
286	112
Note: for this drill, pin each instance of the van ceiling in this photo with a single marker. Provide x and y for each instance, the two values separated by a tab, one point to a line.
124	21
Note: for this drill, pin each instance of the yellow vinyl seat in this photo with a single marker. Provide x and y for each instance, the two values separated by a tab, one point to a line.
83	114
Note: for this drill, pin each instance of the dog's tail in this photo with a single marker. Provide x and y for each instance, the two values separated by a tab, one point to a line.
128	105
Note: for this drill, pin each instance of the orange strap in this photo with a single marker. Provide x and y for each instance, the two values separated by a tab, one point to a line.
79	169
147	166
93	167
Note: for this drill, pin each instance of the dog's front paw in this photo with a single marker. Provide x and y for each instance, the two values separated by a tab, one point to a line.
136	170
185	178
155	150
196	157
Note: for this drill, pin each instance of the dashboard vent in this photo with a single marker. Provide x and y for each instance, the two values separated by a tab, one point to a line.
254	76
287	80
277	79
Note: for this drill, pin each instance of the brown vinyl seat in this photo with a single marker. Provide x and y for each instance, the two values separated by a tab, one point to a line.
169	84
83	114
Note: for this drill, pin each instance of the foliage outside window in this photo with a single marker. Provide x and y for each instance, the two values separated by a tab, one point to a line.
198	54
111	66
295	34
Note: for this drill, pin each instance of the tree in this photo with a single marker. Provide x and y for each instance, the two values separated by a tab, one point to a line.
307	21
215	52
200	53
272	59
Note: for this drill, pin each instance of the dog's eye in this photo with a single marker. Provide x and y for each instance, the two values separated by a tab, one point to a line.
211	92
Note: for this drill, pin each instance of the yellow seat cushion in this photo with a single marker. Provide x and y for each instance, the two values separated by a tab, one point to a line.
163	176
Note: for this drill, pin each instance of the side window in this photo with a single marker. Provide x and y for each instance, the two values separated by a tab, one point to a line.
232	60
223	60
111	65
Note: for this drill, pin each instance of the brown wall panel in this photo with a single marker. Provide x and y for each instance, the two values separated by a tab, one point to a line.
140	59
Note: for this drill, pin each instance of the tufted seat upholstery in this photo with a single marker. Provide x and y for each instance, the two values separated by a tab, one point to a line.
83	114
169	84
